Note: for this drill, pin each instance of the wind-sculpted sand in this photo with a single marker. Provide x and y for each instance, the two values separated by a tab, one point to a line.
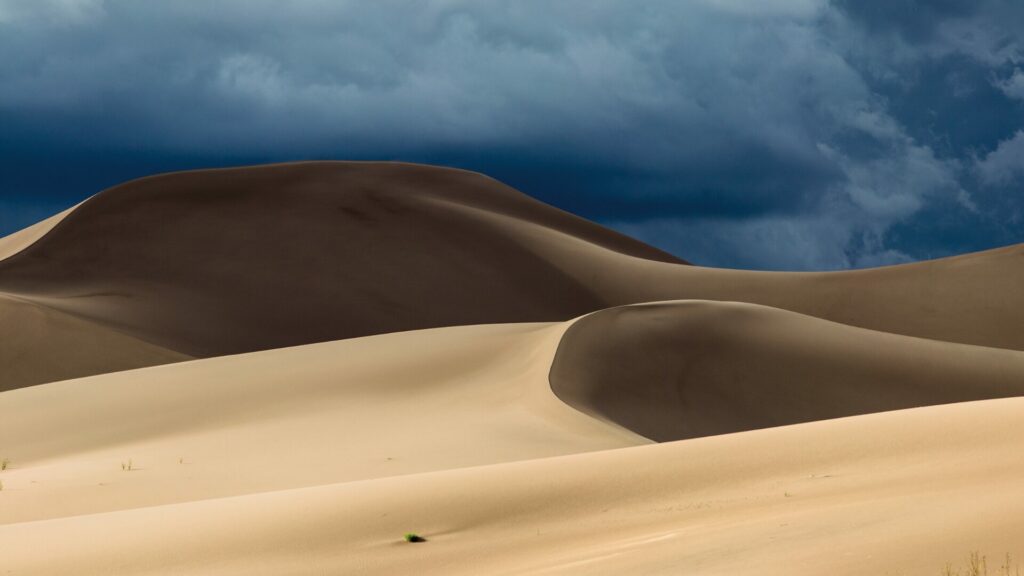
14	243
43	344
678	370
283	369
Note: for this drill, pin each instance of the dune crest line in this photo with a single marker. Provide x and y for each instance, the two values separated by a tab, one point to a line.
12	244
686	369
227	261
292	368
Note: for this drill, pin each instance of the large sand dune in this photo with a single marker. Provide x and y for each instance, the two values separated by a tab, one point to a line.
332	412
219	262
298	253
282	369
317	459
677	370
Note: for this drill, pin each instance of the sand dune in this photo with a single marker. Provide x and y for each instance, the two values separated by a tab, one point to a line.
327	453
282	369
41	344
291	254
340	411
898	493
970	299
677	370
14	243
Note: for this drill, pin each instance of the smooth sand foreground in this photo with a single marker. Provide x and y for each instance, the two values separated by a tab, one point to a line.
317	459
893	493
348	410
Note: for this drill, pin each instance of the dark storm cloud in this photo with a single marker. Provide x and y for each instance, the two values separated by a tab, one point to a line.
781	133
916	20
951	73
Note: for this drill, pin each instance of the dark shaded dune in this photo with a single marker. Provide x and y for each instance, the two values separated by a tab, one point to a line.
225	261
971	299
216	262
40	344
678	370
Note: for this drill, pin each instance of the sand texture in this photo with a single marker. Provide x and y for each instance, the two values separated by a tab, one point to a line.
283	369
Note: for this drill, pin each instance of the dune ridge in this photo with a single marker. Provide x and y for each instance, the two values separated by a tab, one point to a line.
22	239
283	369
41	344
403	403
448	430
282	255
685	369
290	254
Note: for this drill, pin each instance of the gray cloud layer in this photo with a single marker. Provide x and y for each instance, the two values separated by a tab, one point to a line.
782	133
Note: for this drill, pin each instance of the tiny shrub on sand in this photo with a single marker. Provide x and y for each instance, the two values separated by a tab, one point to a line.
413	537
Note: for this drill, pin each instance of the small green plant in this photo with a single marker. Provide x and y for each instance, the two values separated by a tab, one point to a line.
414	537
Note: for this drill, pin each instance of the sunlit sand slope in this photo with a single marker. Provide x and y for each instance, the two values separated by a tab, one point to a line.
340	411
893	493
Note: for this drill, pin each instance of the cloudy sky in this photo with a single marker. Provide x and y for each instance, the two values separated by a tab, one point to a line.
781	134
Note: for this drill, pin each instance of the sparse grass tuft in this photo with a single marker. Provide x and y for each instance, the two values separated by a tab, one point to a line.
413	537
977	565
4	464
127	466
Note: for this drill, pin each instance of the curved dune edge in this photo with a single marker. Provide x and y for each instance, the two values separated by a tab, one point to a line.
41	344
686	369
900	493
332	250
342	411
318	458
22	239
326	250
514	448
968	299
463	396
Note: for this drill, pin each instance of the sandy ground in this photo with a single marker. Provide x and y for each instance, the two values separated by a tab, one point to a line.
208	411
349	410
317	459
